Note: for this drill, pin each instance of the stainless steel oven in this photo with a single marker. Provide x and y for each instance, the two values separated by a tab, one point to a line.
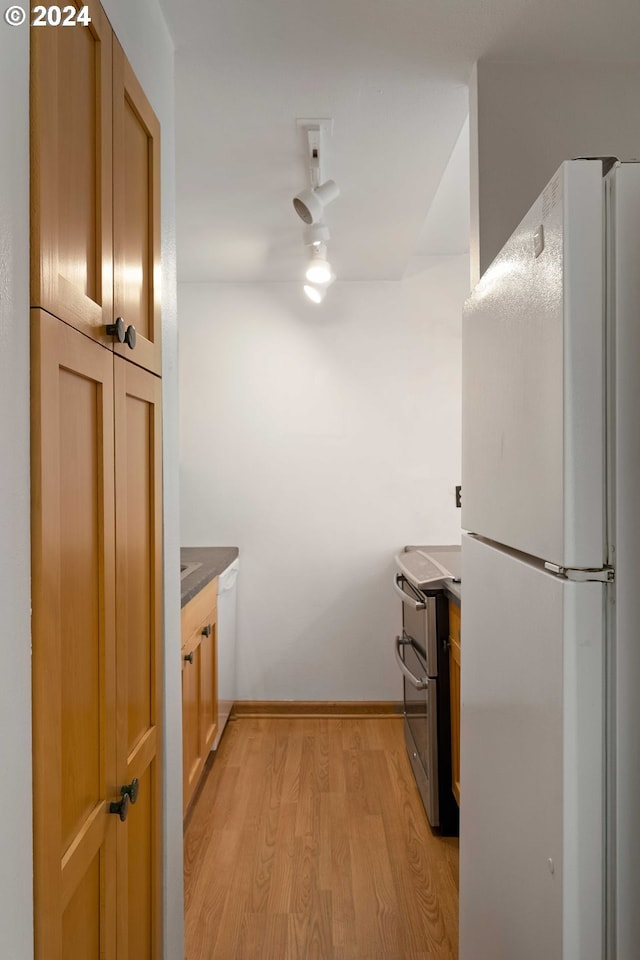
423	658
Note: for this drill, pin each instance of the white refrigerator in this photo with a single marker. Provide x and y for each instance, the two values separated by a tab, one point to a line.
550	674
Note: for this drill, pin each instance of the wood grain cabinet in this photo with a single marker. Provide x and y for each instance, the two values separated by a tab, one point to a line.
75	770
454	680
139	661
199	685
71	173
95	190
96	445
136	215
97	656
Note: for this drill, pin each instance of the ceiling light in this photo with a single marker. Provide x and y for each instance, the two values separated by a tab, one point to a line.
310	204
316	234
315	294
319	269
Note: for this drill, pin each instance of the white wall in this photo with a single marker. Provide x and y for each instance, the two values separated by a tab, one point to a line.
16	872
526	118
146	41
320	441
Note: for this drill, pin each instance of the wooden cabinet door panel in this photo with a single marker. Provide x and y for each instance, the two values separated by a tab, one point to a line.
192	758
141	864
136	205
199	684
209	686
138	499
71	173
74	688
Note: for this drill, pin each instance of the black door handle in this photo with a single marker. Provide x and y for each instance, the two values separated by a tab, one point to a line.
121	807
131	790
206	631
189	657
130	337
116	330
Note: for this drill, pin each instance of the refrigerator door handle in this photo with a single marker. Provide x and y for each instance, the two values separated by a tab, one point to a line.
419	684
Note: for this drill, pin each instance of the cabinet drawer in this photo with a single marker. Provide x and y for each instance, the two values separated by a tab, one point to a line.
201	610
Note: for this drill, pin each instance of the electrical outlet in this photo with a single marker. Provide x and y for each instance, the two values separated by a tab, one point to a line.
458	496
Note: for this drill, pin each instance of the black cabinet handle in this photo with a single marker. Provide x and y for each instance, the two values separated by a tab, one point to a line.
131	790
206	631
189	657
121	807
116	330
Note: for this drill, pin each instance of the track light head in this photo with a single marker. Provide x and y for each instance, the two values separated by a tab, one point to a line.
310	204
319	268
316	234
315	294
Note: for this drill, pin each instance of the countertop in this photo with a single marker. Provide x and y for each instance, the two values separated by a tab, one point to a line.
213	560
450	558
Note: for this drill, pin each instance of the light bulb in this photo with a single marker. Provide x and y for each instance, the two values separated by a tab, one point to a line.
315	294
319	269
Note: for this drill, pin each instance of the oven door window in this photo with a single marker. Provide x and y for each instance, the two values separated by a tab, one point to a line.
421	712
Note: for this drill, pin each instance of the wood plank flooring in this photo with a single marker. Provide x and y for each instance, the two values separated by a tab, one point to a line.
308	841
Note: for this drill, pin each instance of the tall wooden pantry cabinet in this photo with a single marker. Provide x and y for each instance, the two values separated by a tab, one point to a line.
96	500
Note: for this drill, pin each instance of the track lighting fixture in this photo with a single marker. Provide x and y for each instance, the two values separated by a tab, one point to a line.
315	294
319	269
317	291
309	204
316	234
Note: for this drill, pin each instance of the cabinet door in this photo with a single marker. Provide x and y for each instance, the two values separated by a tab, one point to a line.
209	685
71	175
136	214
74	685
192	758
138	499
454	683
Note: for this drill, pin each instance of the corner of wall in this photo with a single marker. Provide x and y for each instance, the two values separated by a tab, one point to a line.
474	179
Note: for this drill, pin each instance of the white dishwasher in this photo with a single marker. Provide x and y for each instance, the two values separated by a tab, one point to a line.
227	607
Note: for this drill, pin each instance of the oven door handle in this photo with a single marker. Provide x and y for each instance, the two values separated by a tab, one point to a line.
414	604
413	680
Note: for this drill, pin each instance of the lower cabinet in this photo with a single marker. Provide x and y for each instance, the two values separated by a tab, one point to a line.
97	655
192	754
199	685
454	680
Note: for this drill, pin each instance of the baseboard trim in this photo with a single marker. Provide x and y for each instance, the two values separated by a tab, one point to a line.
245	709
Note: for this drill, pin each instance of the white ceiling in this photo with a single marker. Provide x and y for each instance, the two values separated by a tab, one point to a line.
392	74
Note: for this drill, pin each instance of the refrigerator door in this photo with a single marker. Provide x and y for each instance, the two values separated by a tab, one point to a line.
533	427
532	761
625	699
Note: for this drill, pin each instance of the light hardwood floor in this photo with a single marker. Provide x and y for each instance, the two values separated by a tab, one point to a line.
308	841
